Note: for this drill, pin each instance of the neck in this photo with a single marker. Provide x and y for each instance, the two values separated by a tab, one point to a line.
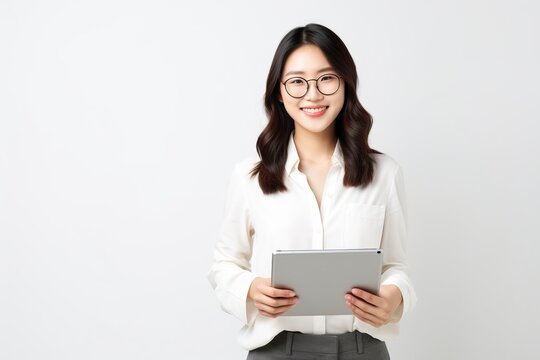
315	147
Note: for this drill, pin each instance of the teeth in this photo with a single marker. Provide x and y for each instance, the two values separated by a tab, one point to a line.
314	110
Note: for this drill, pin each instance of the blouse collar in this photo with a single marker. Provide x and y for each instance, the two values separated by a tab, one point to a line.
293	160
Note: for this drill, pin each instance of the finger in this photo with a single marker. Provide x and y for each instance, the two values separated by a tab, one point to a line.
264	313
266	289
364	306
368	297
276	302
277	293
274	311
364	316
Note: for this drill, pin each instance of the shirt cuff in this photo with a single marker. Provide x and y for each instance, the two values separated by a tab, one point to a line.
397	278
243	308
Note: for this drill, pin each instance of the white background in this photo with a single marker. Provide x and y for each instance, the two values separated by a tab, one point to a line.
120	123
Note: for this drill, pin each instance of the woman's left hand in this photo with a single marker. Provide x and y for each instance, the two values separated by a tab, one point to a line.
372	309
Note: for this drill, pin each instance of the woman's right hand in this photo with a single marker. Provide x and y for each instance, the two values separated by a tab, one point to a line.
270	302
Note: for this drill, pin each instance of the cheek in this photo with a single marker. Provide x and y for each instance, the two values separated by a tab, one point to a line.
290	107
340	102
341	106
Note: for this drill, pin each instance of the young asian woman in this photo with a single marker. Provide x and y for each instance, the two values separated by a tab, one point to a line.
316	184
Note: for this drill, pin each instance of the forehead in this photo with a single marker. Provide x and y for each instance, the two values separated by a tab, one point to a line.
307	59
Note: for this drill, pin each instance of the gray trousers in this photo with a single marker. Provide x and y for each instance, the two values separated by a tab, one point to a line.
294	345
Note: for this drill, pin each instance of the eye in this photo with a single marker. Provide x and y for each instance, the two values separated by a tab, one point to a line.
295	81
327	78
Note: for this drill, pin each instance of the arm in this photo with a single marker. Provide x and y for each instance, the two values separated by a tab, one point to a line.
230	274
239	291
396	295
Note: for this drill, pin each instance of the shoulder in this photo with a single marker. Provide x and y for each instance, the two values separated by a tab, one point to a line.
386	170
385	164
245	165
242	168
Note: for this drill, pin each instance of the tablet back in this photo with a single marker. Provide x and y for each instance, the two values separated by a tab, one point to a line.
321	278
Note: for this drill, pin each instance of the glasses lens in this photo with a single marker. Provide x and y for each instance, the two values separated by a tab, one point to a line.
328	84
296	87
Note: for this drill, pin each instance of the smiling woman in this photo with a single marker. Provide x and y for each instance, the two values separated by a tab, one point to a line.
317	184
305	102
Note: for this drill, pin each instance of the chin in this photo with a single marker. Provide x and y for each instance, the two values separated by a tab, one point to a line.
314	128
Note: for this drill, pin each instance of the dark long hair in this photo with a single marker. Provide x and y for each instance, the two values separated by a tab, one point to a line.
353	123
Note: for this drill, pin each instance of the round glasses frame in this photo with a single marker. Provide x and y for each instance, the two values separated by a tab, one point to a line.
316	85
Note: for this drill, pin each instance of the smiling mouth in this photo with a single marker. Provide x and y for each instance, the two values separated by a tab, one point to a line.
314	110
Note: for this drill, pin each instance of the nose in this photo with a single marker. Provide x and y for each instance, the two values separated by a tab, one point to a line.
313	93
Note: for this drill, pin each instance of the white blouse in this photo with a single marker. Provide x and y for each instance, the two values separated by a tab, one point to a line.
256	224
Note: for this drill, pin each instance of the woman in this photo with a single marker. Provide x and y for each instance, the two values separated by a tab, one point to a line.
317	185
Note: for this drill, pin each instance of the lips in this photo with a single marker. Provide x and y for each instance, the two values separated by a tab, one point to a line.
314	110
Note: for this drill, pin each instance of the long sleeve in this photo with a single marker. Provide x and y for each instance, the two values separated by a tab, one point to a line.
230	274
393	242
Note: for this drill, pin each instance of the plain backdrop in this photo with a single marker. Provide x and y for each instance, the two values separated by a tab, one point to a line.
121	121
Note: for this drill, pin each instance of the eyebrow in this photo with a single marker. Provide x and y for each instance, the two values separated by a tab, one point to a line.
329	68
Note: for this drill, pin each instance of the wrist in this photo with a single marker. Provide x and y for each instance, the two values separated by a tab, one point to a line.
393	293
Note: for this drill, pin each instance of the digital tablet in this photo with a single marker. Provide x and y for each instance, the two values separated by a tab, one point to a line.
321	278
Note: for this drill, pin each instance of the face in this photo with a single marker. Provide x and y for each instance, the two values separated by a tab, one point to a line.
314	112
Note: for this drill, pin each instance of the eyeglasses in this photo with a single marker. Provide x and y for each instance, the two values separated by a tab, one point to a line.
298	87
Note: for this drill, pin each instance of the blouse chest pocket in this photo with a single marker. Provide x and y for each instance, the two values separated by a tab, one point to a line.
363	226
